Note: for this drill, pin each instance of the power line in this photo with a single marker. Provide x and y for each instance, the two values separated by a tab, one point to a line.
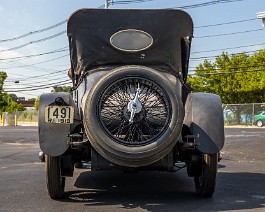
31	88
32	65
205	4
43	75
38	31
24	93
63	49
226	23
223	49
34	32
181	7
129	2
10	82
214	56
32	42
231	33
34	68
34	89
151	0
234	67
32	82
60	71
102	6
231	72
203	51
37	76
48	74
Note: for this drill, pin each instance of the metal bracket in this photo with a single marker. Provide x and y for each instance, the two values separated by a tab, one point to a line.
190	142
76	140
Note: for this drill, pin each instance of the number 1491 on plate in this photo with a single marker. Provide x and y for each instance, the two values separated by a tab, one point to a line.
59	114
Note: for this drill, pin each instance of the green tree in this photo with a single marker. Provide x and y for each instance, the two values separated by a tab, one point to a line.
32	99
67	89
7	103
3	102
3	77
237	79
13	97
37	103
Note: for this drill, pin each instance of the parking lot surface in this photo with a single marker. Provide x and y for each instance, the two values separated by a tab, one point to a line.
240	181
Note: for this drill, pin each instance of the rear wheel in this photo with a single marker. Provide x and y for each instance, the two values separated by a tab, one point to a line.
205	181
54	181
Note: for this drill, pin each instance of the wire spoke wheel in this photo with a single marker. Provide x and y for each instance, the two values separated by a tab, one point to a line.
133	115
134	111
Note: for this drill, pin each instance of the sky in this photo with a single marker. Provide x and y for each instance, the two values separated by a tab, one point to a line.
34	45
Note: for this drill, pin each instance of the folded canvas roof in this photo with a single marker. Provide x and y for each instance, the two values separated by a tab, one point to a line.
90	30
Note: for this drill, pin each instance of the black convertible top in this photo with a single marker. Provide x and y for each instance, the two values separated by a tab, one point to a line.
90	30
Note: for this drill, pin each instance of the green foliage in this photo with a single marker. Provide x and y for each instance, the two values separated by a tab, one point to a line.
27	116
8	105
232	78
3	102
13	97
32	99
3	77
67	89
37	102
7	101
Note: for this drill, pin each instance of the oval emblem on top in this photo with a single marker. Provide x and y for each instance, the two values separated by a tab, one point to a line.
131	40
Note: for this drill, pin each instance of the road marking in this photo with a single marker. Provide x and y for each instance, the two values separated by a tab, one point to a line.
258	197
230	136
22	164
240	201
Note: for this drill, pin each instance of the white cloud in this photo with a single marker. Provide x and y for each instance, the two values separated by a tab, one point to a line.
8	54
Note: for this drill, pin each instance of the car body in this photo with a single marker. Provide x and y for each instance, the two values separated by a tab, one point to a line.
259	118
131	109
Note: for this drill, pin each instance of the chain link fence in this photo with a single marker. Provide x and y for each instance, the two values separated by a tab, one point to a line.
234	114
241	114
23	118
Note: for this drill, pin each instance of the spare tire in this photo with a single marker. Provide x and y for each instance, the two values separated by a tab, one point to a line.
133	116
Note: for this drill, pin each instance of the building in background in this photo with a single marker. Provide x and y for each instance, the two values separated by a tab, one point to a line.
28	104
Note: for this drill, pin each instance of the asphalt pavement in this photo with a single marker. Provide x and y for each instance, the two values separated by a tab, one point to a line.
240	182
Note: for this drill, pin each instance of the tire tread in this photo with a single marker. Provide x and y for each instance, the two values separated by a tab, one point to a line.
54	182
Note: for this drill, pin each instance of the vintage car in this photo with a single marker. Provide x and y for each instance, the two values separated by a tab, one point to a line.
131	108
259	118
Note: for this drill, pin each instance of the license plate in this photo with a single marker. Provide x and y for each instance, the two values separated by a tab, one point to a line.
59	114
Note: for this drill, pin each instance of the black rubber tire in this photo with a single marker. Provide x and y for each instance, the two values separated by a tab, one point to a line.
125	155
54	181
205	182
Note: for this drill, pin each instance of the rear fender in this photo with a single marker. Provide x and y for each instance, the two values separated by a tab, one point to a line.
204	117
53	138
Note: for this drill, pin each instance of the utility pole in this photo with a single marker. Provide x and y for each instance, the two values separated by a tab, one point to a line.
106	4
261	15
